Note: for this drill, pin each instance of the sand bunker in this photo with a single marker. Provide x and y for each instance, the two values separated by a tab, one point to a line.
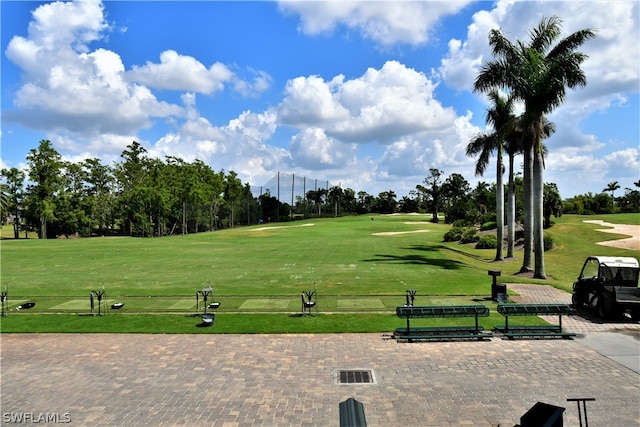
280	226
632	243
393	233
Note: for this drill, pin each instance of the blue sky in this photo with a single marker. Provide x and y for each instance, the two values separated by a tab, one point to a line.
370	95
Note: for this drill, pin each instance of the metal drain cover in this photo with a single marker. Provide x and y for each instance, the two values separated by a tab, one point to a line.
355	376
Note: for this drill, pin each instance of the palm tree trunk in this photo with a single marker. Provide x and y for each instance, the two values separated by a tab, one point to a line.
499	207
528	209
511	211
538	217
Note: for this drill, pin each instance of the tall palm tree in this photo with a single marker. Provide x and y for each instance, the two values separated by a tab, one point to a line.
500	116
537	73
612	186
514	146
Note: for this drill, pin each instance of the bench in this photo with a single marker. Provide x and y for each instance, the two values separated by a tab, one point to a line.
441	332
533	331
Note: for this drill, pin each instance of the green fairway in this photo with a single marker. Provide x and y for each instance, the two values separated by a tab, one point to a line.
358	266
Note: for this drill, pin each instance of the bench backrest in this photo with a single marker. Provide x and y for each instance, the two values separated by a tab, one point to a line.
443	311
533	309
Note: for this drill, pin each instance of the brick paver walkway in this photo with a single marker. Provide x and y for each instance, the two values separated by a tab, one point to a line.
282	380
582	323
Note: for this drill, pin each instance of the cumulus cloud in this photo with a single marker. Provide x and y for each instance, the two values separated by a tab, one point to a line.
186	73
610	69
383	22
393	108
240	145
71	89
181	72
86	101
313	149
381	105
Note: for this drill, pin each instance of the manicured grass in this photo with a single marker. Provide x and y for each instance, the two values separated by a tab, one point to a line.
230	323
359	277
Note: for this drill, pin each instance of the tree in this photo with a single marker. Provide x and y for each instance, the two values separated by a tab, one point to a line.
335	196
365	202
501	117
134	190
44	164
538	74
612	186
552	203
12	196
232	191
100	179
454	194
432	188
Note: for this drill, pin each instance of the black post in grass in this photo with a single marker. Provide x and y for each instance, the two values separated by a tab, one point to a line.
205	292
99	295
410	295
309	303
5	302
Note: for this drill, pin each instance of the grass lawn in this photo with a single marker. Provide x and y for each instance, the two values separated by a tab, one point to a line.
360	273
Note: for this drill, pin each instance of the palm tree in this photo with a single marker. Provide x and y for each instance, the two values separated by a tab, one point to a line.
500	116
513	146
612	186
538	74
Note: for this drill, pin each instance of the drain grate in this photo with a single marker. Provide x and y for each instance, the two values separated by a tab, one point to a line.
363	376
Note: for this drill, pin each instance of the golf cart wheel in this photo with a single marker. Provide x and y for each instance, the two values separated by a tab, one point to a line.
577	300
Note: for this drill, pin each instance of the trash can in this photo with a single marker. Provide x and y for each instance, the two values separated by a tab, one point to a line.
543	415
498	288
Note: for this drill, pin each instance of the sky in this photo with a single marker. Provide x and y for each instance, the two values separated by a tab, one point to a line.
366	95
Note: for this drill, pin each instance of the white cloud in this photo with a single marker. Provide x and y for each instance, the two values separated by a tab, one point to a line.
186	73
71	89
313	149
260	82
181	72
67	24
610	62
240	145
383	22
311	100
381	105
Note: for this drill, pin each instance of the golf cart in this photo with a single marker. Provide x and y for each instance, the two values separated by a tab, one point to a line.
609	286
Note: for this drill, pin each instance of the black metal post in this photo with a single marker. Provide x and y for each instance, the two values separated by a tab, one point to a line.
3	297
584	401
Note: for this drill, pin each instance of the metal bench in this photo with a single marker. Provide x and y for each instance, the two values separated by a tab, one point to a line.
441	332
533	331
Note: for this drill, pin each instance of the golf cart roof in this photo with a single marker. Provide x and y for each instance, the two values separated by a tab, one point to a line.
611	261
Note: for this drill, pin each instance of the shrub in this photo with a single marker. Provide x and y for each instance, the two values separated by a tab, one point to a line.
470	235
460	223
453	235
488	241
548	243
488	226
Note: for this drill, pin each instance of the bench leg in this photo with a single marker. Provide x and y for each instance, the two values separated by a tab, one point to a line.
560	323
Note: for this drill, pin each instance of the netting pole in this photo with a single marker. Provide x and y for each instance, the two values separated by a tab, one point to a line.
293	186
